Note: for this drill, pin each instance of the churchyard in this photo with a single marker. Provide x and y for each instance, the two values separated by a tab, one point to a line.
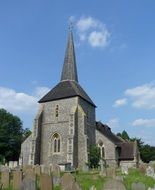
51	178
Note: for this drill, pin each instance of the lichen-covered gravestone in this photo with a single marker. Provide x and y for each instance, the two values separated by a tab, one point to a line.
56	175
138	186
17	179
67	181
46	182
28	184
5	179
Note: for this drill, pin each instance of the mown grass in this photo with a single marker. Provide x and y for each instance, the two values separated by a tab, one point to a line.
89	179
136	176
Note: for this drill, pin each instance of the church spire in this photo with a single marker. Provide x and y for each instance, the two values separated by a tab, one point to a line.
69	71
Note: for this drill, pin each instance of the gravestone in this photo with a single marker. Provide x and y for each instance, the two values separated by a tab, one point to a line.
111	172
46	182
45	169
28	184
93	188
37	170
124	169
150	172
5	179
113	184
29	173
56	175
138	186
75	186
17	179
67	181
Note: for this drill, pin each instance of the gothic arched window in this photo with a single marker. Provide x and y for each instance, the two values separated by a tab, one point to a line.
101	147
56	143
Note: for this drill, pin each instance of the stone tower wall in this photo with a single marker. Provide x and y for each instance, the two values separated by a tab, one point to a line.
61	125
86	130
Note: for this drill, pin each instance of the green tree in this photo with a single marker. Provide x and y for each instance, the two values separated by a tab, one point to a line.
94	156
11	134
26	133
124	135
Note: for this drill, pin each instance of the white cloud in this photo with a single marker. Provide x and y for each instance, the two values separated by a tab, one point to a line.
142	96
113	123
20	102
85	23
120	102
144	123
98	39
92	31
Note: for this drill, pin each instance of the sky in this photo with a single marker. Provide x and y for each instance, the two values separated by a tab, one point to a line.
115	54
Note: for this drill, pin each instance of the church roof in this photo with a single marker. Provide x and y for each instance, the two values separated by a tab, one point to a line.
66	89
68	86
127	150
106	131
126	147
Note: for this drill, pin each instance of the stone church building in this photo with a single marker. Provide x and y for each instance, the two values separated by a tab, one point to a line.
65	126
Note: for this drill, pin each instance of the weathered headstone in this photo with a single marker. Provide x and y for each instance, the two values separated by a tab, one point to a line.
111	172
56	175
17	179
45	169
124	169
138	186
29	173
113	184
67	181
37	170
5	179
150	172
75	186
28	184
93	188
46	182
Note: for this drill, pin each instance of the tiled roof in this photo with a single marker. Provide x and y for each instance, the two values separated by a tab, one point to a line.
66	89
106	131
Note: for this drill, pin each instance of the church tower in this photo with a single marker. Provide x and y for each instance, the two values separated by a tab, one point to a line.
64	127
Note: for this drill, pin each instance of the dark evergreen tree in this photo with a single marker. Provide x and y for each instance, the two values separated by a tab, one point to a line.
11	136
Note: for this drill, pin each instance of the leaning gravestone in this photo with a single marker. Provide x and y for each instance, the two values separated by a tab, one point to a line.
46	182
17	179
28	184
67	181
138	186
5	179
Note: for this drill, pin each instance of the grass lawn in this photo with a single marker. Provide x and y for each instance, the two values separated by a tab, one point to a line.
137	176
88	179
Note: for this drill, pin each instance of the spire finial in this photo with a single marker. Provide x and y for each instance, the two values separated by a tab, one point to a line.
70	25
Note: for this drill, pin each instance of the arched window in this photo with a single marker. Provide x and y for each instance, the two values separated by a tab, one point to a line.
56	143
57	111
101	147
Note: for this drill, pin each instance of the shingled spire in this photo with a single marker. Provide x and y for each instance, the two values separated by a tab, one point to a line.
69	71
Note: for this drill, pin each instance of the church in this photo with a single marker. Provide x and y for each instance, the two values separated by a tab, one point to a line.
65	126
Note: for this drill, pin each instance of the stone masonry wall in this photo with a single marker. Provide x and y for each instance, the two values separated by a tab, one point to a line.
52	124
109	148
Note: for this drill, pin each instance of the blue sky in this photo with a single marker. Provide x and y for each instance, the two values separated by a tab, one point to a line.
114	42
